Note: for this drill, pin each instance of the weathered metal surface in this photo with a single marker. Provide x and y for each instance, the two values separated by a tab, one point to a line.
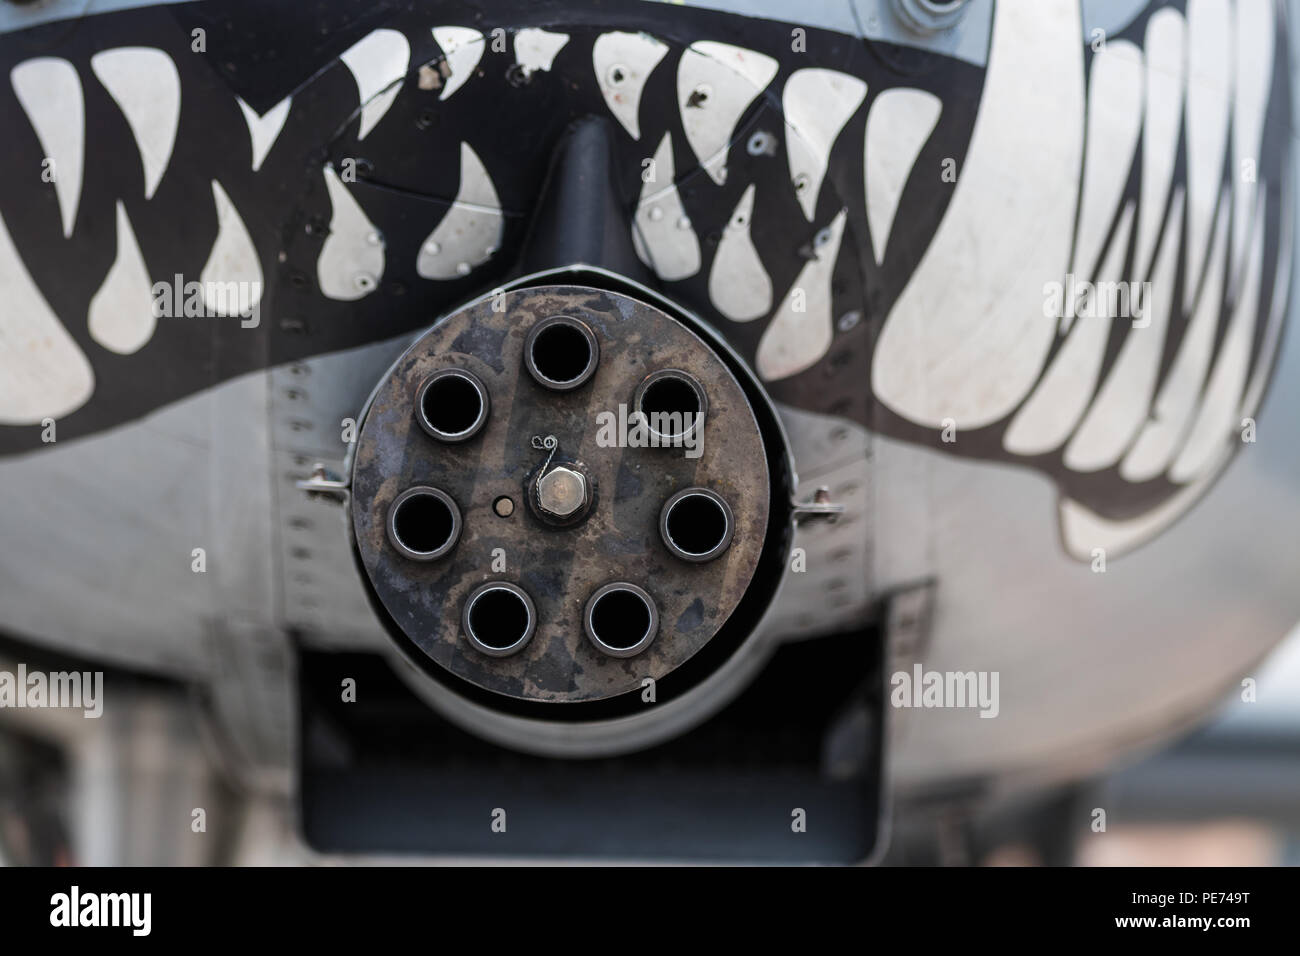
559	568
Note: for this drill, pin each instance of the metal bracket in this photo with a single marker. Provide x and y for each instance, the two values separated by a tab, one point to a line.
821	506
324	483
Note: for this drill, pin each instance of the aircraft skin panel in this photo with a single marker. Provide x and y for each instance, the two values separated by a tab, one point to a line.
298	219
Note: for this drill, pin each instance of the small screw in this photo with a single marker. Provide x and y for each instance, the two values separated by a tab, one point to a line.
761	143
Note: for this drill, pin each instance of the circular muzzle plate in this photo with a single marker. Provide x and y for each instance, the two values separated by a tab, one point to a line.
627	477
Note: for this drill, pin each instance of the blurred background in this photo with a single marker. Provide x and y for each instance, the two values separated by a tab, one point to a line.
1223	794
1226	793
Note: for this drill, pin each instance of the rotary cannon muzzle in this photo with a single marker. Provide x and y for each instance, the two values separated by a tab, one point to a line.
624	557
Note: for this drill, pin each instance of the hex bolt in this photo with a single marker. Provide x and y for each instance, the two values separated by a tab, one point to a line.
562	492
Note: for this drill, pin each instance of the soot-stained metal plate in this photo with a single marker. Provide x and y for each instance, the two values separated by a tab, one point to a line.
559	567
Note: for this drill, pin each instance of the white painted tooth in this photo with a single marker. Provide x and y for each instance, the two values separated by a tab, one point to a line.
796	339
638	244
50	93
147	89
1209	64
264	130
43	373
716	82
121	314
232	276
662	232
1217	419
1114	122
536	49
470	232
1124	398
462	48
900	122
378	62
1045	421
1259	376
739	286
1255	52
1166	58
1150	456
966	338
476	188
623	62
1082	529
351	261
817	104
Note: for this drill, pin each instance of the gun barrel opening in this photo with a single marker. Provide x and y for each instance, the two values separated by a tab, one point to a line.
621	619
696	524
499	618
561	353
674	403
423	523
452	405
